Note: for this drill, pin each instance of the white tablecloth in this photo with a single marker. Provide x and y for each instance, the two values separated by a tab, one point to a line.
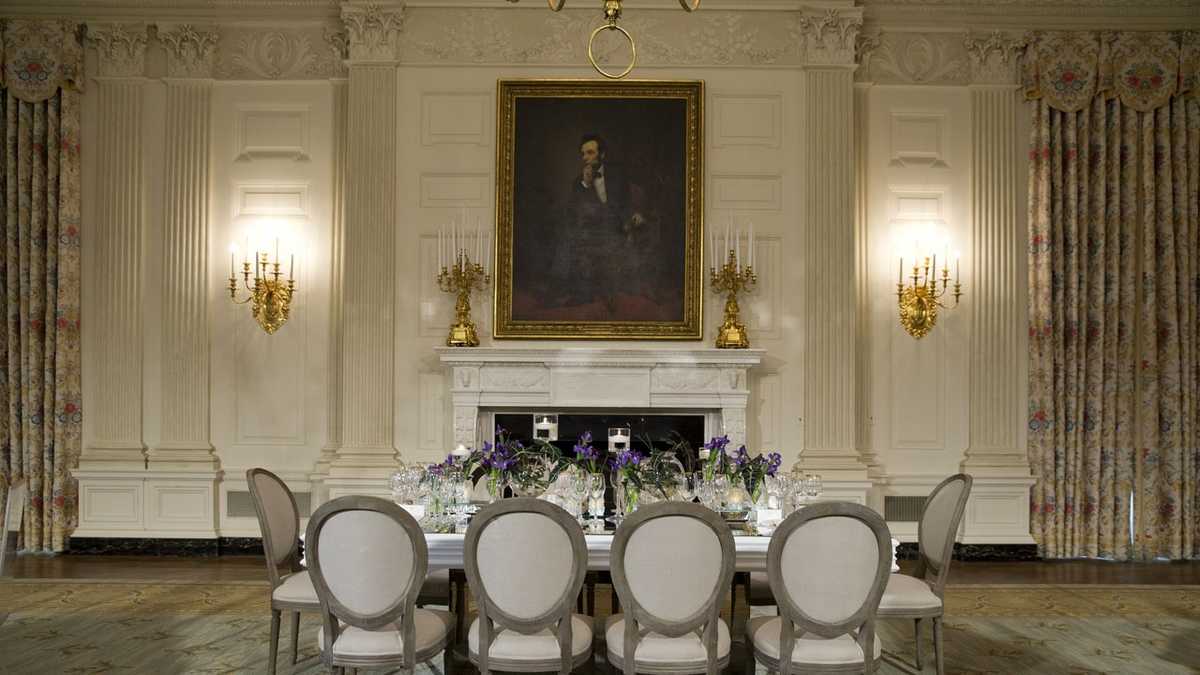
446	551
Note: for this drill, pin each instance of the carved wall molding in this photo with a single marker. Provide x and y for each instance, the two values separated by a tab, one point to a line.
918	58
191	50
290	53
121	48
374	30
995	57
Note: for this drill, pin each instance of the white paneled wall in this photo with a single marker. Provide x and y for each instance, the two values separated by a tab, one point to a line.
886	414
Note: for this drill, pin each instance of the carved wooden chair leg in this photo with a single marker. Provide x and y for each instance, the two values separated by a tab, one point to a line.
295	636
917	633
937	645
275	617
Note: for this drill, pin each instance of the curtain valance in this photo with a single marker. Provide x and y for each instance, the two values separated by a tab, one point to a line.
1143	69
40	57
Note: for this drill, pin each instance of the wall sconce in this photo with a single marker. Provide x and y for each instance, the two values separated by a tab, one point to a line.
270	297
920	299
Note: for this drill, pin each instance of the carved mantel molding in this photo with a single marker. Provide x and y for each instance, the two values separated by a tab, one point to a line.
121	48
711	380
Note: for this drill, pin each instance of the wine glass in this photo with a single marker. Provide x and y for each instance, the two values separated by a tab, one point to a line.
595	485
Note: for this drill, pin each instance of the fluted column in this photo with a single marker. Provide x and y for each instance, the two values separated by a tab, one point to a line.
997	390
367	454
996	454
831	296
865	422
185	442
333	412
114	337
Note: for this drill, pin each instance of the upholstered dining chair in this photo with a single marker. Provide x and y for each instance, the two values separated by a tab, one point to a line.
368	558
525	561
291	588
672	563
14	513
828	564
921	595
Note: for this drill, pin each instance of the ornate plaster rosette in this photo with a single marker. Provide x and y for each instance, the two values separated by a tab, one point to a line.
40	57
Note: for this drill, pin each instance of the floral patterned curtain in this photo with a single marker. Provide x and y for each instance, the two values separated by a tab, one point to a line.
1114	292
40	77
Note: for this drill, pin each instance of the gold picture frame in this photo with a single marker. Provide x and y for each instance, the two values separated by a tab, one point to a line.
599	210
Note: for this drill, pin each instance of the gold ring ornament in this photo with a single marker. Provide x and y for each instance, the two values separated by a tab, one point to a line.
592	55
612	12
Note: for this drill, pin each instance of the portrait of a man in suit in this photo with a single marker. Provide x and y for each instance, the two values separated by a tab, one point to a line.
599	211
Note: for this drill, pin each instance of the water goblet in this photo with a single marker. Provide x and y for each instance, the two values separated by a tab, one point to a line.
595	484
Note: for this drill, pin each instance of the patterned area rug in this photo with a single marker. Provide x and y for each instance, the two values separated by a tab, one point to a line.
81	627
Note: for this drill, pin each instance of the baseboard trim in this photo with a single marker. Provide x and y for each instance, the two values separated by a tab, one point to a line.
980	552
198	548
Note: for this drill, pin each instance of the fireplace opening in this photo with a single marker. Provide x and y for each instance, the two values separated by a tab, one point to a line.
684	431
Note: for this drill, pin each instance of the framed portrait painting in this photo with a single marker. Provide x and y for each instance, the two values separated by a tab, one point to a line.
599	209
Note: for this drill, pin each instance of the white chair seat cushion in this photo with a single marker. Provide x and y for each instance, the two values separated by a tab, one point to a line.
540	647
764	632
905	593
296	588
659	652
432	627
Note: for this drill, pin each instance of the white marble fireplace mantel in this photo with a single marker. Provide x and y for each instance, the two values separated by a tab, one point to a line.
713	381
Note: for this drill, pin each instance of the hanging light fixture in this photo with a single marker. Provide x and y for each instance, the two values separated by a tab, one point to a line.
612	14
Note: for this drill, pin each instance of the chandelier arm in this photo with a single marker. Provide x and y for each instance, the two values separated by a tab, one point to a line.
688	5
556	5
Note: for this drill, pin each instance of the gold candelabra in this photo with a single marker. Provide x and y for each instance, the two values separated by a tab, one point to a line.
731	279
920	300
270	297
463	278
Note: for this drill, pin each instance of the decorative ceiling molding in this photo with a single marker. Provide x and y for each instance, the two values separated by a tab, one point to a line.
191	50
120	48
1018	15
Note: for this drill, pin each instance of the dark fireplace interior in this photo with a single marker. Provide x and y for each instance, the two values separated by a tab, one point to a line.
660	430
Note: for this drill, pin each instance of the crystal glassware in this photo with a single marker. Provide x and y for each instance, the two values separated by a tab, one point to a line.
595	483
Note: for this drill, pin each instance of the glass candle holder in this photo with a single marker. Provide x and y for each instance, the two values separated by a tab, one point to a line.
545	427
618	439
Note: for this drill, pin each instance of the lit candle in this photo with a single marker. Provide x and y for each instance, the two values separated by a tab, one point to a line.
439	250
478	243
725	251
935	267
231	256
276	249
292	267
737	249
256	264
957	268
901	270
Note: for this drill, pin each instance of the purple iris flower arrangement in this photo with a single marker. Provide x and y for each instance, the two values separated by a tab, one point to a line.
585	455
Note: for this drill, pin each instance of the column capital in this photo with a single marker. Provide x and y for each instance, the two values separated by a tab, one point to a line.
120	46
373	30
338	43
995	57
191	49
830	39
864	48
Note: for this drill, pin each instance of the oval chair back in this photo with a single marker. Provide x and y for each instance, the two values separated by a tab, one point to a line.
940	518
672	563
828	565
367	558
279	520
525	561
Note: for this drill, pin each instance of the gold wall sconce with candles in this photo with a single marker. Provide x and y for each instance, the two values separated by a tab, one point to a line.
270	297
463	268
732	273
920	298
